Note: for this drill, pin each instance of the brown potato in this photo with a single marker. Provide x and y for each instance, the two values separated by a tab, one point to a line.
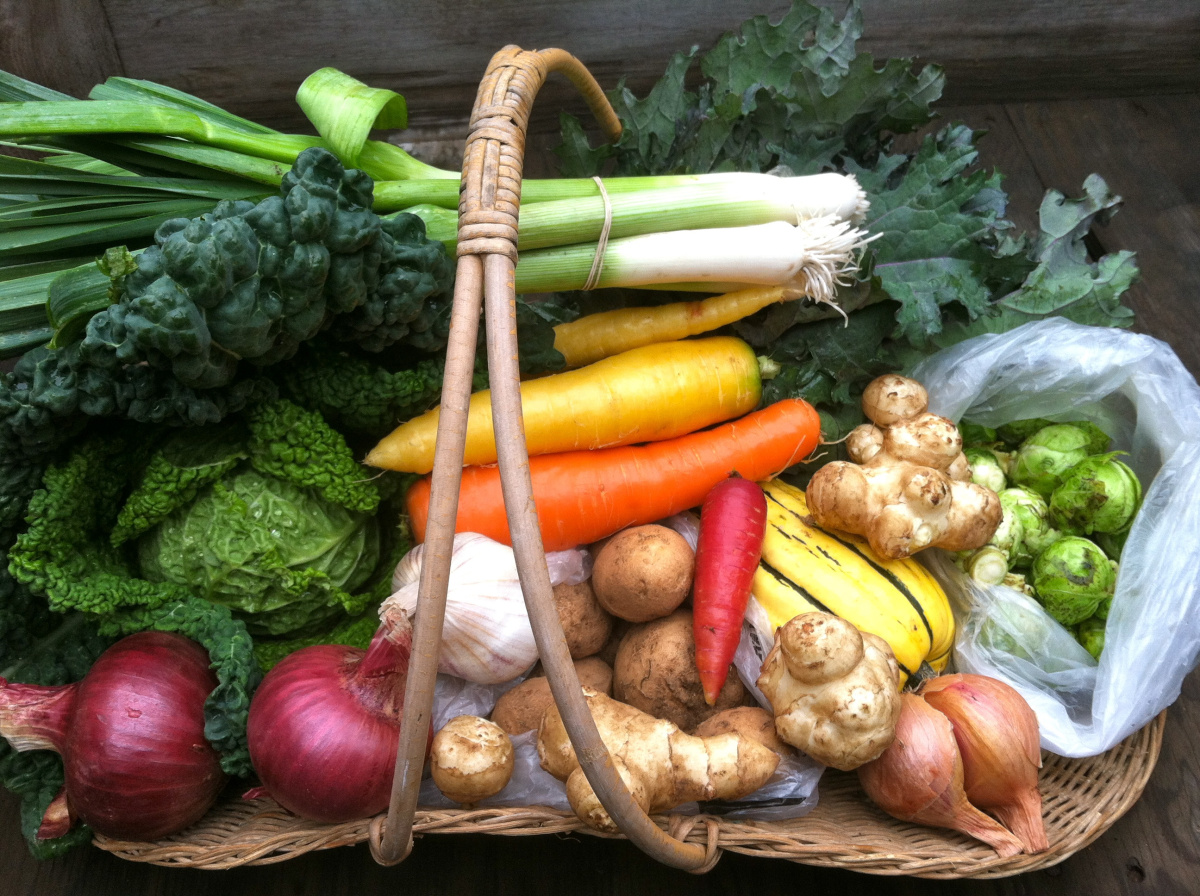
520	709
655	671
586	625
643	573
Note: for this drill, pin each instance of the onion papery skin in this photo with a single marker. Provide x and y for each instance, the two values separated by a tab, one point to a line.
323	736
919	778
997	735
137	765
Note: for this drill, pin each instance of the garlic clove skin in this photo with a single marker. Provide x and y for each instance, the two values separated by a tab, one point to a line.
919	778
997	736
486	635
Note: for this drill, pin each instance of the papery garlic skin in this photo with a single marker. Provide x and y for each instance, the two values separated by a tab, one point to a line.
486	636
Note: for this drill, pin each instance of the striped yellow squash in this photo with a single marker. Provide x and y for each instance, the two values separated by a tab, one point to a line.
804	568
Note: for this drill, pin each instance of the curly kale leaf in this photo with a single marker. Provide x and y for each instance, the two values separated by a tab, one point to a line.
298	446
175	475
232	652
358	393
794	94
410	298
351	632
64	553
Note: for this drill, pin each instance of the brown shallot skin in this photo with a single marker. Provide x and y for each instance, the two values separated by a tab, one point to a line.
919	778
997	735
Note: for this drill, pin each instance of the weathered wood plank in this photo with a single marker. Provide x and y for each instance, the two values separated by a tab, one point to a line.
252	56
1137	145
65	44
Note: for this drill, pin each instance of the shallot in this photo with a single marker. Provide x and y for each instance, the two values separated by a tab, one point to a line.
131	733
919	778
325	722
997	735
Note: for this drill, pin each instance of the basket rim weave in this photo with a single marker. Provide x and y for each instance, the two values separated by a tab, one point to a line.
1081	799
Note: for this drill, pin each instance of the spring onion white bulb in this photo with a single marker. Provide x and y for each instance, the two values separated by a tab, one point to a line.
813	256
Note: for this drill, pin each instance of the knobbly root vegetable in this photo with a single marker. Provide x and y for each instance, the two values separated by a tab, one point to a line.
521	708
584	496
834	690
908	486
749	721
646	394
471	759
663	766
655	671
643	573
586	625
919	778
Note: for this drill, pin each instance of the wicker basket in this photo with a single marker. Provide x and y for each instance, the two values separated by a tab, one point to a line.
1081	797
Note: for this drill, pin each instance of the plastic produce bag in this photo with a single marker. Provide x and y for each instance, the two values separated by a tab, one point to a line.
1136	389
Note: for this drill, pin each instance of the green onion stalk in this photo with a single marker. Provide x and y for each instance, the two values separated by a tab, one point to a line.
136	153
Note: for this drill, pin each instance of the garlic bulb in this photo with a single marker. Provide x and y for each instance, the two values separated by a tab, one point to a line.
486	637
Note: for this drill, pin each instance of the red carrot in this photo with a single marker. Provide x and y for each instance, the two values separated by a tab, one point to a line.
733	520
583	496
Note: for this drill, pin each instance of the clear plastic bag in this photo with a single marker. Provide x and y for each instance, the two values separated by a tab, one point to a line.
1135	388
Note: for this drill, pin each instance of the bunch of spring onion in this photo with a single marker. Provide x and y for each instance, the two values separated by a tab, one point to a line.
136	153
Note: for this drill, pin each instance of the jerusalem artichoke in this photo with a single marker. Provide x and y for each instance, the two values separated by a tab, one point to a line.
662	766
835	690
909	486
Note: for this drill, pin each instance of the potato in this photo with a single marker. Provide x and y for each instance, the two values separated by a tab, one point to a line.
655	671
520	709
586	625
643	573
748	721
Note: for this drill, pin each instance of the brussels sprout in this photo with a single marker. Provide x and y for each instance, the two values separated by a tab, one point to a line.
987	468
1071	578
1009	535
976	434
1098	494
987	565
1032	511
1016	432
1045	456
1113	543
1090	633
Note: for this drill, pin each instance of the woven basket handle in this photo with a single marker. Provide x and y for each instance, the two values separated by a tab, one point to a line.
487	256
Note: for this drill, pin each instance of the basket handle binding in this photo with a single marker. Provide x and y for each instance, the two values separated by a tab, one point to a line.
487	256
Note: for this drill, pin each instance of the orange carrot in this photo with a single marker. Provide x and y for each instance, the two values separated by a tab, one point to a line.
733	520
583	496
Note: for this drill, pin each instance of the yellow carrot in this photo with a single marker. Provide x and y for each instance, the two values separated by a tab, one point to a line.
646	394
606	333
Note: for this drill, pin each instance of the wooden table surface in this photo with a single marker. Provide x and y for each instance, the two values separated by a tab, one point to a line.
1144	148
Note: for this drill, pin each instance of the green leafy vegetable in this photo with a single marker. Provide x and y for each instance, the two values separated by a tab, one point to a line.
945	263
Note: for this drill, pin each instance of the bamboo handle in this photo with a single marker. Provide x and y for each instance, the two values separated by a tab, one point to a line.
491	187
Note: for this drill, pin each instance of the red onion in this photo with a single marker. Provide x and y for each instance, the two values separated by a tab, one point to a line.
325	722
131	735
